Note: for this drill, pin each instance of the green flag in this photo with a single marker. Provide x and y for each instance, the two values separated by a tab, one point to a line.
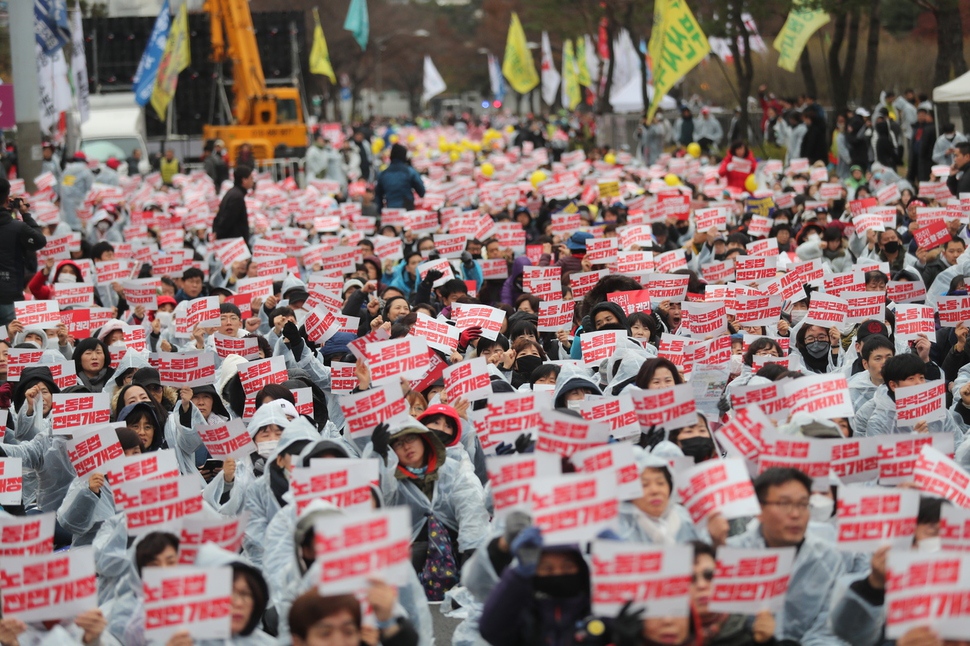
518	66
677	44
799	27
357	22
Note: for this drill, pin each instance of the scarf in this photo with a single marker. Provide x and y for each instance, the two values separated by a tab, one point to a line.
662	530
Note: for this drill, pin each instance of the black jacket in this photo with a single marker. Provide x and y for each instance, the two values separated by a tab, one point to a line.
17	238
814	146
232	220
959	184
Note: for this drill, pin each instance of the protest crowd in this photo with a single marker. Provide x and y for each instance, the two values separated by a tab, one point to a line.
564	395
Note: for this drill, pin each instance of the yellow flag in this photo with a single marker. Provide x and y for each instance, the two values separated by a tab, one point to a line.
584	79
677	44
572	95
319	54
175	59
799	27
518	66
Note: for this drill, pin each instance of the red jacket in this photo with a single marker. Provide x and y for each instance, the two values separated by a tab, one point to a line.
43	290
737	169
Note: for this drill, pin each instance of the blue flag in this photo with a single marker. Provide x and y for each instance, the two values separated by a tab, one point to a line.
357	22
51	28
148	66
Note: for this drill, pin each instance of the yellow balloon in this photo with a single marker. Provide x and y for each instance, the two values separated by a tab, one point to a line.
455	155
411	138
487	169
537	178
477	147
377	146
394	139
750	184
609	158
510	129
671	180
694	150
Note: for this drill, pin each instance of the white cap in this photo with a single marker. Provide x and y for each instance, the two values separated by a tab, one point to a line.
862	112
287	407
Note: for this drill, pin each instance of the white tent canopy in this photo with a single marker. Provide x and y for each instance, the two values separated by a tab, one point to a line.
956	90
629	98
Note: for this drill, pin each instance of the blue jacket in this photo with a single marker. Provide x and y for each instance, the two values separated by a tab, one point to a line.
394	187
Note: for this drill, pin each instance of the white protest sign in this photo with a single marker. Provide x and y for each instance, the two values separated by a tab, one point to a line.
354	548
150	503
366	409
490	319
924	402
245	347
565	434
256	374
436	333
185	597
748	581
718	486
343	482
927	589
186	369
938	475
510	477
809	455
49	587
655	579
200	529
616	412
574	508
11	481
614	458
72	411
153	465
897	453
227	440
870	517
27	535
670	408
468	379
391	360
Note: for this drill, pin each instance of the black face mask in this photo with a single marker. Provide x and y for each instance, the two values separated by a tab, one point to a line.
891	247
699	448
561	586
445	438
526	365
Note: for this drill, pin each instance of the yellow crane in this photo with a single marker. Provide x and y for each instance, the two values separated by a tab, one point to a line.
267	118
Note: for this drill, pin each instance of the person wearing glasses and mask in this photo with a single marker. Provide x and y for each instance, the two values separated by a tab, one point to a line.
784	495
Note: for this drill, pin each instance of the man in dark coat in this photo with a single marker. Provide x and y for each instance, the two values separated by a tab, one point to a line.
959	179
924	138
814	145
20	237
232	220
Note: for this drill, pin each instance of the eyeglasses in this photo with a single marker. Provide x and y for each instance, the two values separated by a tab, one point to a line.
788	506
814	339
404	441
707	575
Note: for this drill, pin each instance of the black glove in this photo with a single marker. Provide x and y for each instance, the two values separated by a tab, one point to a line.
432	275
504	448
467	260
381	440
515	522
295	340
628	627
524	443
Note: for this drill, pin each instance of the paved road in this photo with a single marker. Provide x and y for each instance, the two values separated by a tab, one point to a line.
443	626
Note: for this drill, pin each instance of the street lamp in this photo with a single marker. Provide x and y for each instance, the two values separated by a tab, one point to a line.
418	33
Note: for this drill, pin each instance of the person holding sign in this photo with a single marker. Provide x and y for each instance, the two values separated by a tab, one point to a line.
447	501
92	360
783	494
89	501
447	424
541	599
899	372
653	518
817	347
336	621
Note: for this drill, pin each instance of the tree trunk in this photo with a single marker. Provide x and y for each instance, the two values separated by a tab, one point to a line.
869	90
808	74
743	68
841	73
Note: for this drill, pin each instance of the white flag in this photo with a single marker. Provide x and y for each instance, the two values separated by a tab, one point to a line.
757	44
433	83
79	66
495	78
550	77
626	63
592	59
52	87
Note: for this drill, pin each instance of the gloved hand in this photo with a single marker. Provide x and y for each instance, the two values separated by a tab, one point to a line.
515	523
467	336
527	547
295	340
381	440
628	627
524	443
432	276
504	448
466	260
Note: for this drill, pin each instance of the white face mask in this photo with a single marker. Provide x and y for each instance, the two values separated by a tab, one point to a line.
798	315
931	544
66	278
734	365
821	507
574	404
265	449
165	318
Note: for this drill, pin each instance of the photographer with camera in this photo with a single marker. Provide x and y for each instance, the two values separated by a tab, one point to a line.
20	236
